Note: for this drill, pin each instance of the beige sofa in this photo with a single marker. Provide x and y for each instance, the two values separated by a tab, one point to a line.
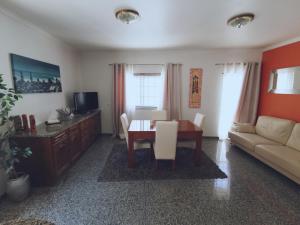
275	142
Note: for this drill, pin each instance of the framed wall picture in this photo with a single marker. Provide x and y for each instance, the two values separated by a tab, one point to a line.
195	88
33	76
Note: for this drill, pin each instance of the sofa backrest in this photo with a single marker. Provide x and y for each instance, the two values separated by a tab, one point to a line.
275	129
294	140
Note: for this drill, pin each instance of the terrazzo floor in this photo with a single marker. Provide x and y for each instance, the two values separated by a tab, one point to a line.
252	194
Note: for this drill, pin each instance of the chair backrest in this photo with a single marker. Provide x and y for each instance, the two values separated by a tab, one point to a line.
125	125
166	139
142	114
158	115
199	120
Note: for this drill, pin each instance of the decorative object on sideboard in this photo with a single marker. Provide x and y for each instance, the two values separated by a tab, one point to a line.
33	76
53	118
32	123
52	122
17	123
65	114
25	122
10	152
195	88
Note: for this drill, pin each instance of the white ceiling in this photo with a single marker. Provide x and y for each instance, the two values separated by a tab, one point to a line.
90	24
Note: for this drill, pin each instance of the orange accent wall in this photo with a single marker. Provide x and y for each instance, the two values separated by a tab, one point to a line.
279	105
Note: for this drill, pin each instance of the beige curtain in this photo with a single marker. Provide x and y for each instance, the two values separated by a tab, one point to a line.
118	96
172	91
248	102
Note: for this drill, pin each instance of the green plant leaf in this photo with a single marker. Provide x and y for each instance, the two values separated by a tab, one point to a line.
3	104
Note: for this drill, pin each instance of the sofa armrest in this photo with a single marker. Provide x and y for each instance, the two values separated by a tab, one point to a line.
243	128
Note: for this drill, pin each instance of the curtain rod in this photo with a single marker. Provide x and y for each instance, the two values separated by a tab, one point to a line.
223	64
111	64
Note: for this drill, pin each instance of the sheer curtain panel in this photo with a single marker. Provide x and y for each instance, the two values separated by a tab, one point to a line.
143	89
132	89
232	80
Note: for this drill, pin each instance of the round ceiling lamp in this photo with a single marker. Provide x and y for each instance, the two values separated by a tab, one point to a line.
240	20
127	15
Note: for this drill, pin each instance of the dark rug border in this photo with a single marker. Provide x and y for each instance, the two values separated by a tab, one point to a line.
168	173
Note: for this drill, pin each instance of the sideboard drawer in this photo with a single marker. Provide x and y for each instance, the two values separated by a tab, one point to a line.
74	133
59	138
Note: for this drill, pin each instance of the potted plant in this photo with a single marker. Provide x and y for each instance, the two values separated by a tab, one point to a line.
10	154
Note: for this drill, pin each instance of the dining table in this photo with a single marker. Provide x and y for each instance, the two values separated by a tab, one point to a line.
145	130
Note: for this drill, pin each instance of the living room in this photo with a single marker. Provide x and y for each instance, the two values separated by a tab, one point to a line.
218	74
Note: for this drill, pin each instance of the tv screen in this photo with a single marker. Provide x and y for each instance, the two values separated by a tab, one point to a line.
85	101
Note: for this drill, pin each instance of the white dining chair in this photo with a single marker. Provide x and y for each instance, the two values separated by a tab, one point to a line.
158	115
165	141
137	144
142	114
199	122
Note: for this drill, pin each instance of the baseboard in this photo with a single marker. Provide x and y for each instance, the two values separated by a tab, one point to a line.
211	137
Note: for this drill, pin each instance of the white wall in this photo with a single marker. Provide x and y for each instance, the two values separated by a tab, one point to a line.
97	76
23	39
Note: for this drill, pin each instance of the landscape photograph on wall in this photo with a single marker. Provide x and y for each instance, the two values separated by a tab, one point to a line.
33	76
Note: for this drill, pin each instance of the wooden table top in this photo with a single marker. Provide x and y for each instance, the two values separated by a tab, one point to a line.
149	126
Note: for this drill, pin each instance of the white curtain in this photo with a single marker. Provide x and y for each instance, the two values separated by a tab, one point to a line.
131	91
232	80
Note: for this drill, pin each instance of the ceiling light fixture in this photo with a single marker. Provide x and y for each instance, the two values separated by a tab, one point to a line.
240	20
127	15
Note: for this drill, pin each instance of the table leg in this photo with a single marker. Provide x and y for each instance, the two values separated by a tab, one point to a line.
198	149
130	150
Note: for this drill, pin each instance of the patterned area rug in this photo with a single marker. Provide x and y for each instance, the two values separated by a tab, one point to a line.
116	169
26	222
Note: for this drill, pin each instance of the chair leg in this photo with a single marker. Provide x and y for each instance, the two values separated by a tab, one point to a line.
152	155
173	164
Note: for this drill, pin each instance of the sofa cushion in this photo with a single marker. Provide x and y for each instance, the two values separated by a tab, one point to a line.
249	140
275	129
294	140
243	127
282	156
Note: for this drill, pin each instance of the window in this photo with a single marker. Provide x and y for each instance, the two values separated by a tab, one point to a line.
150	90
144	87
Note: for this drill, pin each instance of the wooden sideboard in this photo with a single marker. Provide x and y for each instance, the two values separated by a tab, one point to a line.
56	147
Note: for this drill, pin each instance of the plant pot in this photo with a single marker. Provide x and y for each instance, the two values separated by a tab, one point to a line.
4	145
18	189
3	181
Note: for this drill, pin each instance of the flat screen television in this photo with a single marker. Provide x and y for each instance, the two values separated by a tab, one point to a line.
85	101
